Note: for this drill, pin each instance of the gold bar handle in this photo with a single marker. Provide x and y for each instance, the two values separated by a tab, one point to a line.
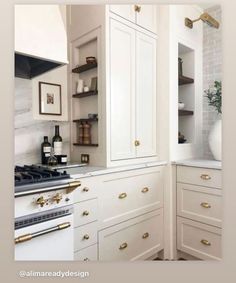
205	177
23	238
145	235
145	190
64	225
72	186
123	195
205	242
123	246
205	205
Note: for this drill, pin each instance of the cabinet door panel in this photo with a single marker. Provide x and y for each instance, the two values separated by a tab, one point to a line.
145	95
122	88
125	11
147	17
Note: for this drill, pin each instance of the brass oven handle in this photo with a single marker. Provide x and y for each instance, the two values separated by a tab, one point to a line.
145	235
123	246
122	195
205	242
145	190
205	205
85	213
85	189
137	8
205	177
72	186
86	237
29	236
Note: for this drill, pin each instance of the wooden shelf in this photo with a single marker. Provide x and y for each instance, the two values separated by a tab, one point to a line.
185	80
81	144
185	112
84	68
85	94
85	120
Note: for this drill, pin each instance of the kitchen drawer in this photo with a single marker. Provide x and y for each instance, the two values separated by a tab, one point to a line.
199	203
197	239
85	212
87	190
135	239
199	176
129	194
85	236
87	254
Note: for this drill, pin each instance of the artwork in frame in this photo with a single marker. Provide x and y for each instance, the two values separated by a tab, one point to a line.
49	99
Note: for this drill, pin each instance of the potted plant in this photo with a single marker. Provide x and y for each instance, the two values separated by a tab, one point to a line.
215	136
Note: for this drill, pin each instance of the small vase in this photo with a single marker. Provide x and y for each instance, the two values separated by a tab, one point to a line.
80	86
215	140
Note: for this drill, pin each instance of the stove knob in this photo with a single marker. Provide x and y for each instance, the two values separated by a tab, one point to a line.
41	201
57	198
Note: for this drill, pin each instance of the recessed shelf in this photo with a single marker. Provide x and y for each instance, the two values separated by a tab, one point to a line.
84	68
81	144
185	80
85	94
85	120
185	112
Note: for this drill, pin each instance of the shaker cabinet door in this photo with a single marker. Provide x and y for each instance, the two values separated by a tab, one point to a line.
147	17
125	11
145	95
122	91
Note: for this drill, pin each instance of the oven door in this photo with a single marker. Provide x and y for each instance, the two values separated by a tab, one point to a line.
48	240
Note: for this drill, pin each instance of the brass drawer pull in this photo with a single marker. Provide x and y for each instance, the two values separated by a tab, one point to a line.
86	237
85	189
145	235
137	8
205	205
86	213
137	143
123	246
123	195
205	177
145	190
205	242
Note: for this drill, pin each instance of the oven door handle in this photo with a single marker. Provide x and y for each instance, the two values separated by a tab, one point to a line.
30	236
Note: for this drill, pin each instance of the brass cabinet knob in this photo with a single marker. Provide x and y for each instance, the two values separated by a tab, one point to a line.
122	195
205	242
205	205
145	190
123	246
137	8
85	189
145	235
86	237
57	198
205	177
137	143
86	259
86	213
41	201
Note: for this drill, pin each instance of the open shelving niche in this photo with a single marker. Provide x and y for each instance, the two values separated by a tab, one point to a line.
186	94
85	102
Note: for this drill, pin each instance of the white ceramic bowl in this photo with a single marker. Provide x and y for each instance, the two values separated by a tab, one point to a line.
181	105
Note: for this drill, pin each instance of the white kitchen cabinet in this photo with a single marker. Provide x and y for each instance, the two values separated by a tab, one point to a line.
133	93
88	254
125	11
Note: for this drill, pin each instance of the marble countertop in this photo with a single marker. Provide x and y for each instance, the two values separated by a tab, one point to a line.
203	163
88	171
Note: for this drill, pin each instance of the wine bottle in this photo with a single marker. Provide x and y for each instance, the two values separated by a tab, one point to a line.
57	142
45	150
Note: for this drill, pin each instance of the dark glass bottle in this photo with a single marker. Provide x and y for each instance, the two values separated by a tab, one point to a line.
45	150
57	142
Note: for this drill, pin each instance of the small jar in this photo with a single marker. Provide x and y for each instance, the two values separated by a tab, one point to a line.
63	159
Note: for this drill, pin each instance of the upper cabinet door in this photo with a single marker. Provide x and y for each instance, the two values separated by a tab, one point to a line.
146	17
145	95
125	11
122	91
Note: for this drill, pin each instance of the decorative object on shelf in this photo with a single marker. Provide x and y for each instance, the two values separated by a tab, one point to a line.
45	150
181	105
80	86
87	133
93	116
49	99
62	159
181	138
86	88
214	95
94	86
180	66
85	158
81	132
91	60
52	160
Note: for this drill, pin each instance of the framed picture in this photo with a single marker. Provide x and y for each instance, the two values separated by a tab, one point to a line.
49	99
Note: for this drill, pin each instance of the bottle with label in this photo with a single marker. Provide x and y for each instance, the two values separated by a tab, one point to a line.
57	142
45	150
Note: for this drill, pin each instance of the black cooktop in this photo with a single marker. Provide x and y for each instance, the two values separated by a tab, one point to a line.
31	174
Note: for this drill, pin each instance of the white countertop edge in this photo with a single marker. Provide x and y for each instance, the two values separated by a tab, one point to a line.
202	163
